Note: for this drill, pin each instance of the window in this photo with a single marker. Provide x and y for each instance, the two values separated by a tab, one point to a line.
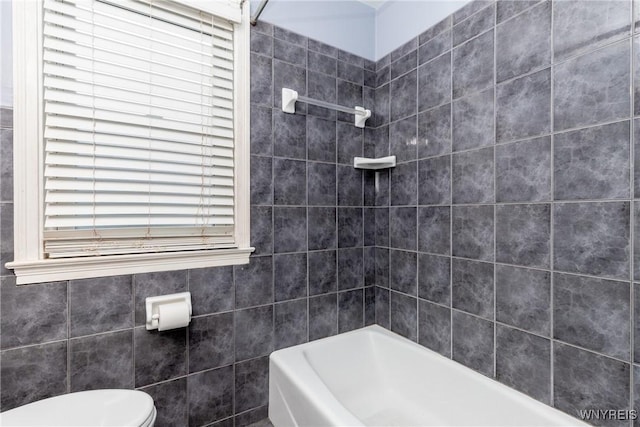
139	155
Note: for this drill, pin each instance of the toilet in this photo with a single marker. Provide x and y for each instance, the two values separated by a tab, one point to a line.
105	408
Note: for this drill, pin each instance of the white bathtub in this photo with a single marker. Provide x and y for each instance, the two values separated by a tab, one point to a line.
373	377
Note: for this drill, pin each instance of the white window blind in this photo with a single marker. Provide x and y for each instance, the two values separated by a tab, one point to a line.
138	128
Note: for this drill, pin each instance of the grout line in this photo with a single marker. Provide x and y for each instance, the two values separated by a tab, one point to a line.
450	206
495	222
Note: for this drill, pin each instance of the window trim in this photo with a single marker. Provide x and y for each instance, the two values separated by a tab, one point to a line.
29	263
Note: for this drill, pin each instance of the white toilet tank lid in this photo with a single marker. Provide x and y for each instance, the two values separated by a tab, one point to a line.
86	408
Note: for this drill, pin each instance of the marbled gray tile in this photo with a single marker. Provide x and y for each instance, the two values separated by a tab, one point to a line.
469	9
404	49
323	273
382	307
523	171
261	130
289	135
636	323
261	43
170	400
369	226
349	141
523	361
6	163
349	186
434	47
257	417
289	36
350	310
322	184
434	30
434	131
254	283
434	273
434	327
159	356
323	88
382	227
474	25
383	76
32	314
404	178
210	395
523	44
472	121
592	88
212	289
254	332
262	180
582	26
473	342
289	229
370	78
472	178
434	225
473	232
6	237
323	316
289	52
290	323
322	63
472	287
405	64
402	228
434	81
349	94
350	227
403	136
32	373
321	139
380	112
592	238
261	80
402	96
523	298
6	117
434	181
290	276
636	159
382	267
523	234
290	182
369	305
262	230
523	107
350	58
323	48
508	8
592	163
100	305
288	76
584	380
350	268
101	361
210	342
583	314
403	271
404	315
322	228
473	65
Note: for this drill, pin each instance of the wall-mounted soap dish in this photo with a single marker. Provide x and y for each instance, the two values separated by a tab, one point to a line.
379	163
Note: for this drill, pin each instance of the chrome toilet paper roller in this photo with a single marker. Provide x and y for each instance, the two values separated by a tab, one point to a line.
166	312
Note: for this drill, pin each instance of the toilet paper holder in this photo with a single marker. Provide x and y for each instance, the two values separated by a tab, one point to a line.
153	303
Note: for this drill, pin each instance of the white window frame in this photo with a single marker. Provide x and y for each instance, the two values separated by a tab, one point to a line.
30	264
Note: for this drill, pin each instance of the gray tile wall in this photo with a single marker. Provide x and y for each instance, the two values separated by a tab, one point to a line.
304	282
504	238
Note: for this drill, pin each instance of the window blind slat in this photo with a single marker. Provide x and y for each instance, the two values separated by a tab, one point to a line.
139	128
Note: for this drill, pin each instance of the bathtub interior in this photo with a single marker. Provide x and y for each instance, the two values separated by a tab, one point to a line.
384	379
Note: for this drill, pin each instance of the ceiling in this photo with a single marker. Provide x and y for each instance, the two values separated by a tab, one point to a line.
376	4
